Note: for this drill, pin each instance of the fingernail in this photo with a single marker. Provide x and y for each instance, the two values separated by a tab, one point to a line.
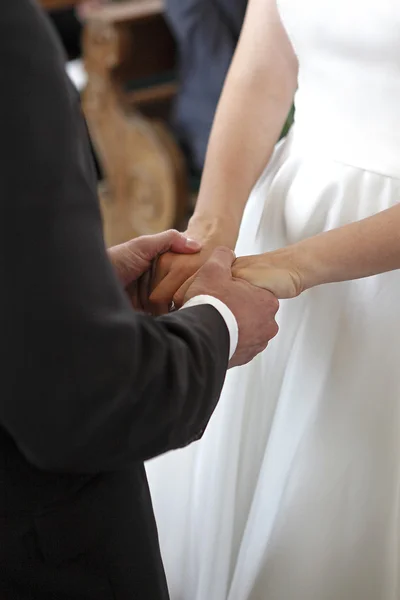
192	244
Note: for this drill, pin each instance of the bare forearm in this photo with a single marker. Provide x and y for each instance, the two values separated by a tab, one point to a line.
361	249
254	105
242	141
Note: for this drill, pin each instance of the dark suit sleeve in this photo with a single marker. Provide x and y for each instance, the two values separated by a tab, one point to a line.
87	384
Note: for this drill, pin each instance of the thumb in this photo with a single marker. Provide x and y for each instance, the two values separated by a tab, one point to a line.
180	243
222	257
179	296
170	240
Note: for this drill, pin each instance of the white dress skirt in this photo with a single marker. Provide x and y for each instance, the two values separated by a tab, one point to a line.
294	491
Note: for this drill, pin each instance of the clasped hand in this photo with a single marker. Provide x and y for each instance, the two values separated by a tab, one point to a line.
158	270
133	262
205	272
273	271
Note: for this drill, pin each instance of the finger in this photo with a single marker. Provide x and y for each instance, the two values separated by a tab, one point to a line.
173	241
144	291
160	309
132	292
275	304
165	290
182	244
157	273
270	301
179	296
161	297
243	356
274	330
153	245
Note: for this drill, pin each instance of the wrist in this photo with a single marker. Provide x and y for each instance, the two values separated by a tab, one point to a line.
221	231
304	264
225	312
281	271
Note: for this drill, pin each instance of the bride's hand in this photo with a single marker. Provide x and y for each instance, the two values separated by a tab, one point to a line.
273	271
173	270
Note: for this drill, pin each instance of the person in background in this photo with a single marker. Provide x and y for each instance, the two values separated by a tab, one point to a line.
207	32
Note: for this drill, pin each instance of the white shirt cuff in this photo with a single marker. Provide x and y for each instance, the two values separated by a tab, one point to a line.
225	313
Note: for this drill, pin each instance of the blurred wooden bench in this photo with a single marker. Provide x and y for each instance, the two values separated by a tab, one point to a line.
129	56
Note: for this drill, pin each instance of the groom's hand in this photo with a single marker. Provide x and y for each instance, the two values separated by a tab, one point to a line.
134	259
253	308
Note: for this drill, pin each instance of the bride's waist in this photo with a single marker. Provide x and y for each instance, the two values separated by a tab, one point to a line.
361	147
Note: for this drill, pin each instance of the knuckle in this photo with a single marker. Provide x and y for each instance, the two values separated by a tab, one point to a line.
268	331
220	260
274	302
271	331
274	329
173	234
211	269
269	301
222	252
208	268
262	347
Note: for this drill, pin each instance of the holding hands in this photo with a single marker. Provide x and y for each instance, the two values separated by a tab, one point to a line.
173	272
277	272
170	267
196	271
133	261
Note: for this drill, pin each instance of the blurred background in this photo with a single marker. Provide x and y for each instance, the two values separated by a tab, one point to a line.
149	74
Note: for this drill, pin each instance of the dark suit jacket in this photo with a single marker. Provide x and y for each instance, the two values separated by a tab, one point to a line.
207	32
69	29
89	389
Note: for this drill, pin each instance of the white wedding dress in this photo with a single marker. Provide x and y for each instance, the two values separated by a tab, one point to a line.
294	491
